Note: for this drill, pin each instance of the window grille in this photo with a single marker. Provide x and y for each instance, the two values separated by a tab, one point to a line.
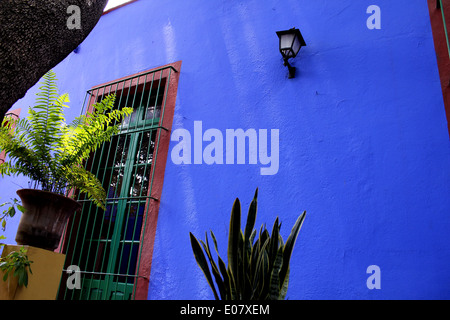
106	245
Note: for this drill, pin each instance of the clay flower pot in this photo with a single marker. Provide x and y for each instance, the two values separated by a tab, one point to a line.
45	216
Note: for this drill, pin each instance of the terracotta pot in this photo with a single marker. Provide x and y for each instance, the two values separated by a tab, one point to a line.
45	216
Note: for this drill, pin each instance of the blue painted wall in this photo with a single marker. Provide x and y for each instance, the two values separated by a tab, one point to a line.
364	144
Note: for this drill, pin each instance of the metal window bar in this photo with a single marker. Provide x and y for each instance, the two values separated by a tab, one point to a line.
439	5
109	263
111	274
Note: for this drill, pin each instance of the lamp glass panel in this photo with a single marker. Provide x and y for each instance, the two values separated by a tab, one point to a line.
296	46
286	41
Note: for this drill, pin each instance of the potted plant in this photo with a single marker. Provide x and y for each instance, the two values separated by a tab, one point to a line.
51	153
257	269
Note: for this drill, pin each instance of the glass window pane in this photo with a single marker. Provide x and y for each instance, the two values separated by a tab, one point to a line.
114	186
140	181
147	146
133	221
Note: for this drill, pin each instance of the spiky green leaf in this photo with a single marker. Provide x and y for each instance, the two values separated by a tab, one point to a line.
289	246
233	238
202	263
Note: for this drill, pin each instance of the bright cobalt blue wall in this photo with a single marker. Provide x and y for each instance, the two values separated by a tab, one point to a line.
363	140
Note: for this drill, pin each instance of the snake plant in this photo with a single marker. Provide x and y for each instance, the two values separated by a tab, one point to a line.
50	152
257	269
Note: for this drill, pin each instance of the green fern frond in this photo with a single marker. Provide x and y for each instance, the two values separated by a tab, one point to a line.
88	132
86	182
50	152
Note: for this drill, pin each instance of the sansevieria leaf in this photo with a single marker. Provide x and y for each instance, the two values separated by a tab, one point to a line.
233	238
258	263
203	264
289	246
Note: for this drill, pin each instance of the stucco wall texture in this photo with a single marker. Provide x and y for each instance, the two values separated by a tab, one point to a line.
363	138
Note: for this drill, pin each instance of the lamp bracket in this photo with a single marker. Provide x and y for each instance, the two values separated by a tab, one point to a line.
290	68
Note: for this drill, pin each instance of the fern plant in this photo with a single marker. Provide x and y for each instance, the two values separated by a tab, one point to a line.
51	152
257	269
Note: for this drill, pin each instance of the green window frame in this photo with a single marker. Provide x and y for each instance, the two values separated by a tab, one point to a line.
109	246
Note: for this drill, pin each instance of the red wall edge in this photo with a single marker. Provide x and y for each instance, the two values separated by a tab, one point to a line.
442	54
145	264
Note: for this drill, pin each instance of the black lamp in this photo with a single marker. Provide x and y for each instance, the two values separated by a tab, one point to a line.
290	43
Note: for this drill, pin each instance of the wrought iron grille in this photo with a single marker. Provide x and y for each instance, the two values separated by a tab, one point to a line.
106	244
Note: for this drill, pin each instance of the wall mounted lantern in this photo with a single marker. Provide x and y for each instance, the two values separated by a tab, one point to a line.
290	43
